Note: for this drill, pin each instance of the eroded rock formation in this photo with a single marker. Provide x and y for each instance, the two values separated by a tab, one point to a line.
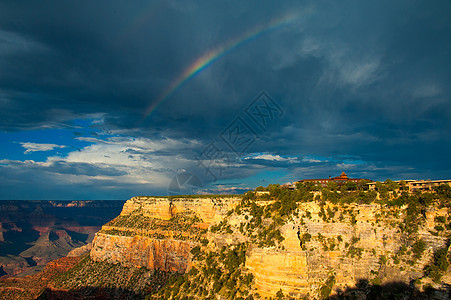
158	233
317	242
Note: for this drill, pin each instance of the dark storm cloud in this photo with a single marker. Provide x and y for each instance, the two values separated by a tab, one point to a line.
83	169
21	182
64	167
108	57
365	79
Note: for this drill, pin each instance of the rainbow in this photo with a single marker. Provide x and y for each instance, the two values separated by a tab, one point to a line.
210	57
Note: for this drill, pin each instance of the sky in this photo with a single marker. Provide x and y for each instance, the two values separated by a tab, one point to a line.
114	99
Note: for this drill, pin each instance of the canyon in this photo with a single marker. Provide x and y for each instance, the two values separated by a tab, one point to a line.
284	244
319	244
33	233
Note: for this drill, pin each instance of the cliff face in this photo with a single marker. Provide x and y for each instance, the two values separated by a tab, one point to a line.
158	233
363	249
139	251
211	209
316	243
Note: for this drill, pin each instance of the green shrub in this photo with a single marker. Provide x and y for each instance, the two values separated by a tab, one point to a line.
439	228
402	250
326	289
440	219
439	265
418	248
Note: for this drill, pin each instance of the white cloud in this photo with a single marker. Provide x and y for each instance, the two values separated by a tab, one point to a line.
34	147
345	166
142	160
118	163
272	157
115	163
144	145
313	160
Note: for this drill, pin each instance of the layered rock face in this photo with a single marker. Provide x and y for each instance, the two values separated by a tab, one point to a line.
318	241
139	251
348	250
158	233
211	209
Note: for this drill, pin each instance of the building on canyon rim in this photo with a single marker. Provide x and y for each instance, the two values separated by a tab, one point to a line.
339	180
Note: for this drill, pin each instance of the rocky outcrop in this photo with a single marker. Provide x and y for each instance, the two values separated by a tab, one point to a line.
365	249
158	233
138	251
209	209
13	265
346	242
80	251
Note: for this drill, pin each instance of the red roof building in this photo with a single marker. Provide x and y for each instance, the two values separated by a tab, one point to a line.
340	180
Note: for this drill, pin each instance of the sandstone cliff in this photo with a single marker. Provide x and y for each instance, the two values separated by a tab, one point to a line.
351	251
300	248
158	233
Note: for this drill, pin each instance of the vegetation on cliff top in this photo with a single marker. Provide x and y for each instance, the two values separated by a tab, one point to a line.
182	226
193	196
